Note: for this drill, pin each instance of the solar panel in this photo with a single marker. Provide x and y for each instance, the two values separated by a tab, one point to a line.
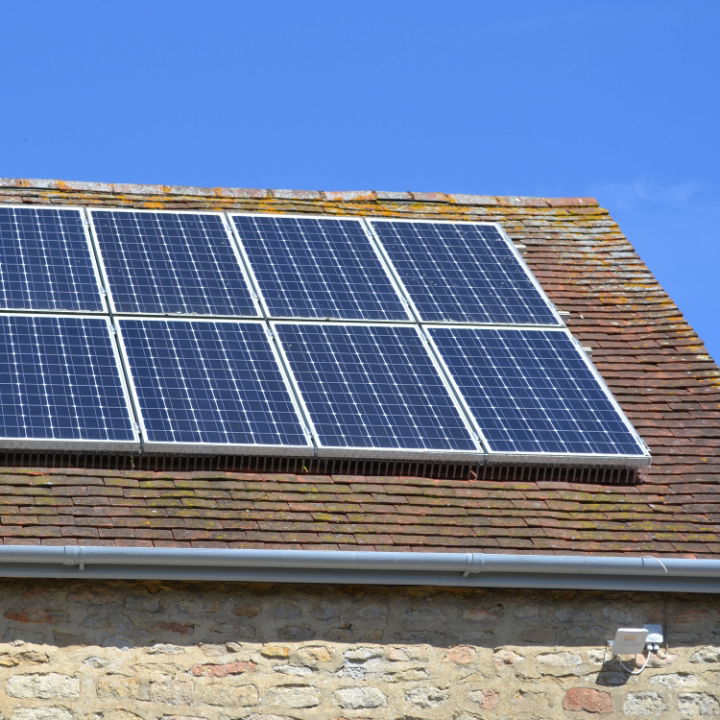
46	262
373	388
533	391
309	267
463	272
60	381
164	262
210	382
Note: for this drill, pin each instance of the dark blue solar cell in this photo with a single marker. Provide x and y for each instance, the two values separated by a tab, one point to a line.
531	391
59	380
318	268
171	263
209	382
462	272
372	387
45	261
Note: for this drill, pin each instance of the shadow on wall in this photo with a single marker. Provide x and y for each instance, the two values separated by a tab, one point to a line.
125	614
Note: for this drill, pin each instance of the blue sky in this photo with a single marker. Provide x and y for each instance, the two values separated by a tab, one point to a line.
608	98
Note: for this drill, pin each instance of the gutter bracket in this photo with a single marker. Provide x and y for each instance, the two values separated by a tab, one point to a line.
74	556
471	562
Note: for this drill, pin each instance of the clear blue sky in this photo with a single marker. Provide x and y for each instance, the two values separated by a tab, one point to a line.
610	98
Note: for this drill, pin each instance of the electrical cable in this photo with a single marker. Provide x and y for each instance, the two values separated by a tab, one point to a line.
634	672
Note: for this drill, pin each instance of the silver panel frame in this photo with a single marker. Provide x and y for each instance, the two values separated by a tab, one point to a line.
199	448
75	444
369	220
400	291
334	451
93	260
231	243
504	457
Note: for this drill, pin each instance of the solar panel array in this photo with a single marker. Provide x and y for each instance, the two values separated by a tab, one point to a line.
297	335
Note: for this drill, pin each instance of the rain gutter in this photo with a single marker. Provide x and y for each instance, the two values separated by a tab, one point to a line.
577	572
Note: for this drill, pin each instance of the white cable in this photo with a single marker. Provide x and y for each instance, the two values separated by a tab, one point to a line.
634	672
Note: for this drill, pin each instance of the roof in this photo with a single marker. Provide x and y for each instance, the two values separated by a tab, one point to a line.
650	357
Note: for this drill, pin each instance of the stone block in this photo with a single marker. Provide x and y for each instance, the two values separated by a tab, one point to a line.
708	654
41	713
674	680
117	687
223	669
360	698
486	699
698	704
314	655
275	651
559	664
588	700
414	674
168	690
506	656
645	704
293	696
427	697
225	694
43	687
461	655
296	670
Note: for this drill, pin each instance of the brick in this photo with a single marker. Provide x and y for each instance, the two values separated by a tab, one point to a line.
588	700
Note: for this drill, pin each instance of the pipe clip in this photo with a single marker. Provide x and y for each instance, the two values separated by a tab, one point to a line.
472	560
75	555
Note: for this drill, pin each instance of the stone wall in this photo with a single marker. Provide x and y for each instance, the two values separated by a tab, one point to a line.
198	651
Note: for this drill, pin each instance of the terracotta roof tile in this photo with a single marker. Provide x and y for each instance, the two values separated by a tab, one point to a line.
655	364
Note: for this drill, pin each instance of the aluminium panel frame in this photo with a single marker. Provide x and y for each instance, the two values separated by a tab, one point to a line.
97	273
538	458
200	448
369	220
389	271
426	454
77	444
231	243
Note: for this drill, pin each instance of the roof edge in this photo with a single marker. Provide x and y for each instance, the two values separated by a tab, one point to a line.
550	572
71	186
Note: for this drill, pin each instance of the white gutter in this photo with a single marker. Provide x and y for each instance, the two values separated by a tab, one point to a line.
579	572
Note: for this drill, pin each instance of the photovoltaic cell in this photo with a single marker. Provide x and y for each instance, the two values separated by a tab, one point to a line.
59	380
531	391
171	263
45	261
209	382
462	272
372	387
318	268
